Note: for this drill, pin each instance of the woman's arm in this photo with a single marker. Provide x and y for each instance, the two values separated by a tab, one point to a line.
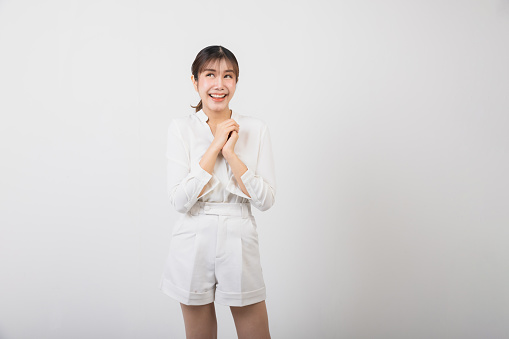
238	168
259	182
186	181
208	161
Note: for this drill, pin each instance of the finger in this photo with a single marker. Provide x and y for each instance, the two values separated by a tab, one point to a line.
233	124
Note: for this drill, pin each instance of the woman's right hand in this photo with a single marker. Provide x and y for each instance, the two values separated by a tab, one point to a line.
223	130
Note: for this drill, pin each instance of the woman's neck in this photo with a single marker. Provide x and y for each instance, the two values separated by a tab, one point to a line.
217	117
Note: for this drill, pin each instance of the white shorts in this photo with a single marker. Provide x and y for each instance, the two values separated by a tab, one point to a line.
214	257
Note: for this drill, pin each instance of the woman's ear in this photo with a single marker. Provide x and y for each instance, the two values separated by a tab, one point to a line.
195	83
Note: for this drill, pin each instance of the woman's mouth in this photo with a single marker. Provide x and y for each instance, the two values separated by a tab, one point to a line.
216	97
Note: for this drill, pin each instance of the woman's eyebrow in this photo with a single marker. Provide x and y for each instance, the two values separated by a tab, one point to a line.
213	70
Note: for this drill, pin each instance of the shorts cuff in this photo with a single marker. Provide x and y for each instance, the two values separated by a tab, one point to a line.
186	297
240	299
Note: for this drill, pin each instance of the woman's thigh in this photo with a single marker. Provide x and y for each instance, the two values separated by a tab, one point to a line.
200	321
251	321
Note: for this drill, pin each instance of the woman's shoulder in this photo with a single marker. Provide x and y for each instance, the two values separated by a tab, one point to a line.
252	121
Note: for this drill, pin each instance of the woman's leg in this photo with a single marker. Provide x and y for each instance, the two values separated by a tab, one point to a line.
251	321
200	321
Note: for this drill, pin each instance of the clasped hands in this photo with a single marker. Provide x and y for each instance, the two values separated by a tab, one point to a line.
223	140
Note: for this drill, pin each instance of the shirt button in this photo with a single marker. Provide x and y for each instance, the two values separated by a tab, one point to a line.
207	208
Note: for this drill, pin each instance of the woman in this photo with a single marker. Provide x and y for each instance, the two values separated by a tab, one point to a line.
220	163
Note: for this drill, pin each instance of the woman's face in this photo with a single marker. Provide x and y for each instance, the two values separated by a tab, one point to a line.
216	79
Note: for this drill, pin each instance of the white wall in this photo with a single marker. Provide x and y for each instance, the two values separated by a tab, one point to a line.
389	124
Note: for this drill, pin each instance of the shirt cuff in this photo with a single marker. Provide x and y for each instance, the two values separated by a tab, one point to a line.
211	185
205	179
233	185
210	180
201	174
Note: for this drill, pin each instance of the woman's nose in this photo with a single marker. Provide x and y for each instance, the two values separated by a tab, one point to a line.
219	82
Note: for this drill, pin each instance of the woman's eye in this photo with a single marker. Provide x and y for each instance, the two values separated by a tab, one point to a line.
228	75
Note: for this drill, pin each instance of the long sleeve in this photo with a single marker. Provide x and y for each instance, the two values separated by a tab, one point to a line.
260	182
185	180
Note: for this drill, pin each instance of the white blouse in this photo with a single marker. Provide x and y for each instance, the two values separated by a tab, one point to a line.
188	140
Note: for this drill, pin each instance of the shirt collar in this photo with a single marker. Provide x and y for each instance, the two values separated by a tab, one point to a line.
203	117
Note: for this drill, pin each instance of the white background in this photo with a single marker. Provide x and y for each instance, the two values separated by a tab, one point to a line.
389	123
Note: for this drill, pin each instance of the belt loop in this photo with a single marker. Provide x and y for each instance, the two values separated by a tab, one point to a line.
245	212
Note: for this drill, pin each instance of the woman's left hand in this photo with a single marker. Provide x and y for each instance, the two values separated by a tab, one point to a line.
229	146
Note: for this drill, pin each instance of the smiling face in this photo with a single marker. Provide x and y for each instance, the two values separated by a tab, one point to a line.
216	86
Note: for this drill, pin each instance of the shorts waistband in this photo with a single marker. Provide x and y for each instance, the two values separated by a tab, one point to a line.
221	208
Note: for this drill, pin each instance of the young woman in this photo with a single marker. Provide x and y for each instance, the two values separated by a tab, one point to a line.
220	163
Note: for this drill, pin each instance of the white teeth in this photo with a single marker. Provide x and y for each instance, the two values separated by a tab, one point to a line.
217	96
